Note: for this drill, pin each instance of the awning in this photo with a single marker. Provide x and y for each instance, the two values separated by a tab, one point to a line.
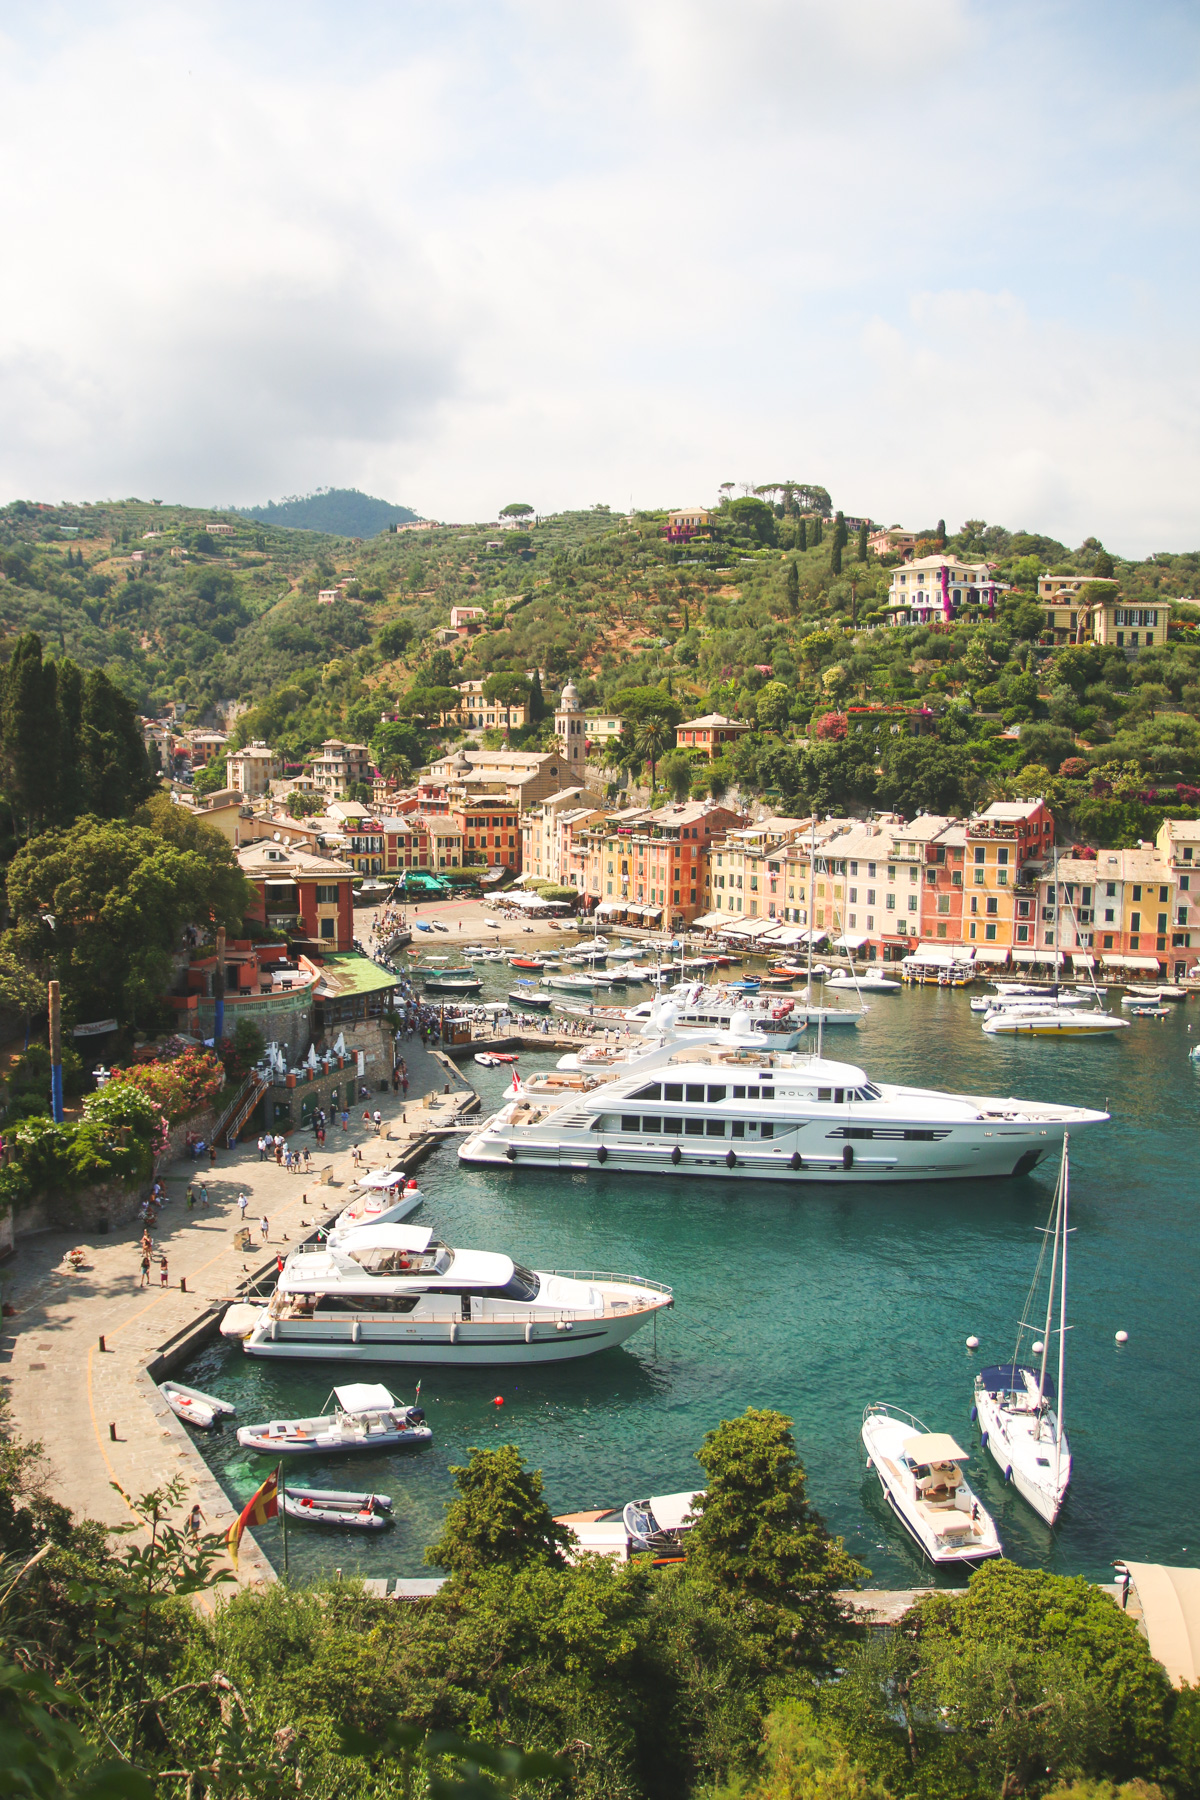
1045	955
363	1396
607	908
706	921
991	953
789	935
1170	1602
941	956
1082	960
1130	962
849	943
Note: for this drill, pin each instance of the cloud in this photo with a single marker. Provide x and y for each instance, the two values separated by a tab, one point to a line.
641	246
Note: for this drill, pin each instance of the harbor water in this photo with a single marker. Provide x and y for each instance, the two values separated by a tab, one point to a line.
817	1300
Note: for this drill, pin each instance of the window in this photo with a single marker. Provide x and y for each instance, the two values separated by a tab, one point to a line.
943	904
1135	920
328	927
326	896
980	853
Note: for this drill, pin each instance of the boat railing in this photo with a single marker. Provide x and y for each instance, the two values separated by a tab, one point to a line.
893	1412
641	1281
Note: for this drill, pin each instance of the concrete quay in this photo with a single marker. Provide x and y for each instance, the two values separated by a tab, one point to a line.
82	1350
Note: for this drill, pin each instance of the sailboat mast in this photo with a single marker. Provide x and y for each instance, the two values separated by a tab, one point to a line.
1057	926
1062	1308
1050	1289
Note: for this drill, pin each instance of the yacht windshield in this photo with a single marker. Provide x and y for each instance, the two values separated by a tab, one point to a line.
522	1284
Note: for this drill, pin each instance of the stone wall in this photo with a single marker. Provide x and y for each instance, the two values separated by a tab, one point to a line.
291	1109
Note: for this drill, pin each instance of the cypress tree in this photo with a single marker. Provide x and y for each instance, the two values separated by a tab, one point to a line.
792	588
803	540
840	533
835	557
1102	569
862	543
817	533
537	700
29	733
114	775
941	534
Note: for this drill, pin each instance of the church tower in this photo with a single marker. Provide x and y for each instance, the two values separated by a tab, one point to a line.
568	725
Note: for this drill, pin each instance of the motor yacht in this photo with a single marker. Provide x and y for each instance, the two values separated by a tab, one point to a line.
1018	1407
990	1003
695	1007
393	1293
923	1483
657	1527
1040	1018
863	984
724	1105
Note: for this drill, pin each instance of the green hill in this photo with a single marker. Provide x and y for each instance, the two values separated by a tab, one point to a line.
342	512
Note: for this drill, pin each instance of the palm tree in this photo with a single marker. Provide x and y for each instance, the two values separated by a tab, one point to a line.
654	735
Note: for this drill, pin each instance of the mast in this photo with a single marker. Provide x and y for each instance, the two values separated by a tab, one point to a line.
1058	1206
1062	1311
1057	926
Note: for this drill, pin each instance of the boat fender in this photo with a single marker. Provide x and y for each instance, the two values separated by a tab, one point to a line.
602	1155
974	1414
529	1332
848	1157
677	1156
355	1332
794	1160
1008	1473
983	1440
274	1330
454	1331
511	1153
730	1160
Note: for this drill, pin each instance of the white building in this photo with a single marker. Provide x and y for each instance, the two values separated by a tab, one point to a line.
941	587
252	769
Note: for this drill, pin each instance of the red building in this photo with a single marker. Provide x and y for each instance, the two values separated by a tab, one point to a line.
307	895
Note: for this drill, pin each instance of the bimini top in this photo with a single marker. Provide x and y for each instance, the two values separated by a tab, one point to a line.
413	1238
933	1447
1006	1379
672	1511
364	1396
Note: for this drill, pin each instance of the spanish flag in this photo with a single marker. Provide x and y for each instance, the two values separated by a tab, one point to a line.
261	1506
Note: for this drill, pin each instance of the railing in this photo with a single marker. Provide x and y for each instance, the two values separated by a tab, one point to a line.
239	1110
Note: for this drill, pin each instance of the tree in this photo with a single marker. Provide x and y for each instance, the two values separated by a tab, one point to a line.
499	1518
835	558
772	705
749	518
940	534
1102	568
537	700
516	509
803	1759
654	735
30	735
841	536
509	689
757	1539
394	638
717	781
791	587
677	775
802	535
425	705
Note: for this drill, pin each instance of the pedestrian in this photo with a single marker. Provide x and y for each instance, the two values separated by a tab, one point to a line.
193	1524
262	1149
279	1263
320	1137
404	1084
243	1203
265	1227
378	1119
212	1156
162	1271
145	1281
203	1194
191	1197
395	1080
279	1153
308	1155
345	1120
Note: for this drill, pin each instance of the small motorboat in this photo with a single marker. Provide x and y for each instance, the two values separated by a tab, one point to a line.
493	1059
439	927
527	962
538	1001
421	925
335	1506
1148	1010
387	1197
453	984
661	1523
364	1416
193	1407
867	984
1161	991
922	1481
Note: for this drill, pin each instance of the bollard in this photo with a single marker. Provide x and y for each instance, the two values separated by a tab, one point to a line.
102	1346
112	1430
183	1284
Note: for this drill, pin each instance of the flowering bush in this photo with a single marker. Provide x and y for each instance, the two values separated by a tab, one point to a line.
831	725
180	1087
123	1109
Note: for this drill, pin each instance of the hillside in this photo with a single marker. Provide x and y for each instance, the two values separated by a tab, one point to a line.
343	512
758	621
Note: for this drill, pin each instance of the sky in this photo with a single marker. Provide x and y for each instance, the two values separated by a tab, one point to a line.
938	256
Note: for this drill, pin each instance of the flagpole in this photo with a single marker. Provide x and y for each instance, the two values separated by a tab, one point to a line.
283	1515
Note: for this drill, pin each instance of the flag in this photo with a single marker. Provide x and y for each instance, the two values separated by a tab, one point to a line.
261	1506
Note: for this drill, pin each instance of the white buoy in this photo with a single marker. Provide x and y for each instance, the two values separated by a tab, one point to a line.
1122	1337
972	1343
1038	1347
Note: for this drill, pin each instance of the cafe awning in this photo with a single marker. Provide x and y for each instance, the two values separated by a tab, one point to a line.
1131	962
991	953
849	943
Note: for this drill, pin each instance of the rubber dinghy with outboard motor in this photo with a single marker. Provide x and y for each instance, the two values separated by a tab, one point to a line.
364	1416
193	1407
336	1506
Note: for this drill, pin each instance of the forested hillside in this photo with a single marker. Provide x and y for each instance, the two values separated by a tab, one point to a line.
344	512
775	617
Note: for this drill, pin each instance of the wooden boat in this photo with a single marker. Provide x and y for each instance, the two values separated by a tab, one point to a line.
364	1416
336	1506
193	1407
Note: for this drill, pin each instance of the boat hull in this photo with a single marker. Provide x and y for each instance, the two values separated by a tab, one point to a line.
446	1344
1010	1458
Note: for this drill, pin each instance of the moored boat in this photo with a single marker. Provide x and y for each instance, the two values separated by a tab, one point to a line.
385	1198
193	1407
922	1480
364	1416
337	1506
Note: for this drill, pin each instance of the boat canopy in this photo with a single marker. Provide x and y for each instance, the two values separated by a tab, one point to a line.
939	956
1170	1601
1005	1378
933	1447
414	1238
671	1510
383	1178
364	1396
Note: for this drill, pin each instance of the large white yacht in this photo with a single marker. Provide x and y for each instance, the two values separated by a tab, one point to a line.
718	1104
395	1293
776	1023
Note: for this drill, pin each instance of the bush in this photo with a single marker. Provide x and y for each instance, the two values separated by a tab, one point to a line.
180	1087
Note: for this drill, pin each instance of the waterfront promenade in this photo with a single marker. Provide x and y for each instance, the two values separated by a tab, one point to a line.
103	1425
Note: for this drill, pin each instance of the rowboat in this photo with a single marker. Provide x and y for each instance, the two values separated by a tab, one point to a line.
193	1407
335	1506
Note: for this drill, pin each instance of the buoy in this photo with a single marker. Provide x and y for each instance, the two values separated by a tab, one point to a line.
499	1400
972	1343
1122	1337
1038	1347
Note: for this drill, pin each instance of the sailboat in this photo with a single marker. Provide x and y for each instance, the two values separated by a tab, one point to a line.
1018	1406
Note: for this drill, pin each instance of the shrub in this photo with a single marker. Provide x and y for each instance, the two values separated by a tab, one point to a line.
180	1087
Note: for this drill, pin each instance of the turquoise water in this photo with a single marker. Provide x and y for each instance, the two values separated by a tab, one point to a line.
819	1300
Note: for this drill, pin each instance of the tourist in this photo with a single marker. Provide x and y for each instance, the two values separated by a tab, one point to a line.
145	1281
212	1156
308	1156
262	1149
191	1197
243	1203
278	1151
345	1120
193	1524
264	1227
378	1120
162	1271
203	1194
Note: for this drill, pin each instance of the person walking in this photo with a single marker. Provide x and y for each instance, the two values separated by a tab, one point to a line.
378	1121
191	1197
203	1194
145	1281
265	1227
262	1149
193	1524
162	1271
345	1120
243	1202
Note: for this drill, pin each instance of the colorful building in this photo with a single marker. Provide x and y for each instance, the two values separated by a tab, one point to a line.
942	588
713	734
307	895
